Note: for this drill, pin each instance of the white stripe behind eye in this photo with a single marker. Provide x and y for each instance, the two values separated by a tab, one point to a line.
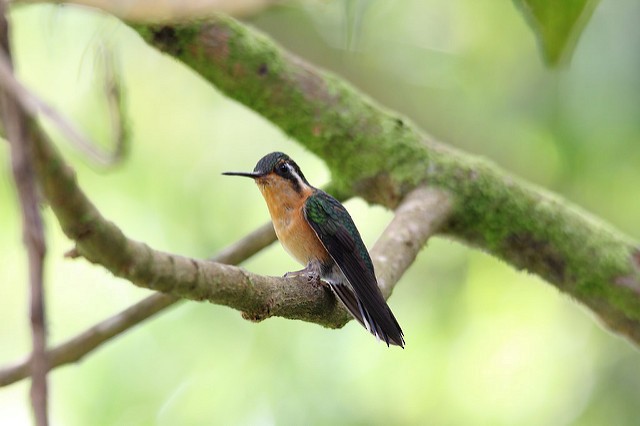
295	174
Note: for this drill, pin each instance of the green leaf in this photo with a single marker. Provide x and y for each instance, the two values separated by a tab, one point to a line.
557	24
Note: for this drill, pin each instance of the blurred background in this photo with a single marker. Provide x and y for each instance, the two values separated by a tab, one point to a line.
486	345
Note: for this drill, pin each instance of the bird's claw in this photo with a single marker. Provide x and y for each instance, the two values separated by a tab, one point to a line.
311	275
293	274
313	278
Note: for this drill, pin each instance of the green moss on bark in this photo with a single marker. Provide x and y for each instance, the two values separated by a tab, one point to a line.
381	156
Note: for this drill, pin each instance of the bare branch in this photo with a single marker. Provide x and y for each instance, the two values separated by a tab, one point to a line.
114	95
421	214
102	242
16	125
76	348
417	218
246	247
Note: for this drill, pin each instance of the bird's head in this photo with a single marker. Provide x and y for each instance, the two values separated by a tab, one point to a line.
277	174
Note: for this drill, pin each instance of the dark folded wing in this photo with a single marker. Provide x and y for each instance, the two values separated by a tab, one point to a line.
334	227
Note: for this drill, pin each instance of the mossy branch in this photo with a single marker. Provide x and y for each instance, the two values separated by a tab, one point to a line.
381	156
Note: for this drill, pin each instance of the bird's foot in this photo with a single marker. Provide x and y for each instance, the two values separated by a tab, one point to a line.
311	273
295	274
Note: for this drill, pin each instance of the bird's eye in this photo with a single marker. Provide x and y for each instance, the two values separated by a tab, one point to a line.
283	168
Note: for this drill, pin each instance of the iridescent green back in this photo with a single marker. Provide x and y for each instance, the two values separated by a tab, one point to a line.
330	219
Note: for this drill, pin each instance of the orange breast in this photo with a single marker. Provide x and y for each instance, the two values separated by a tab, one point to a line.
295	234
297	237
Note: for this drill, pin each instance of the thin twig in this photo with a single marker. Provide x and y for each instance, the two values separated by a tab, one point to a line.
114	95
33	105
16	124
76	348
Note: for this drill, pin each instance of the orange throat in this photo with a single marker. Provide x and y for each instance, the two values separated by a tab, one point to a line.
286	207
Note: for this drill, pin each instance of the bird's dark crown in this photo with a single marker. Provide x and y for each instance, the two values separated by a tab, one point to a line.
276	162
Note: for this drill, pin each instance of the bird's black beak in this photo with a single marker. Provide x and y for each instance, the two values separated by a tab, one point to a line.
252	175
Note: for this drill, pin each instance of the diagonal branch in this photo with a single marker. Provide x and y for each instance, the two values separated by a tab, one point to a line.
392	254
76	348
421	214
102	242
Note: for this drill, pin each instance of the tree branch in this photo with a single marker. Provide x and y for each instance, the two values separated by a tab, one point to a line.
102	242
392	254
16	125
381	156
421	214
76	348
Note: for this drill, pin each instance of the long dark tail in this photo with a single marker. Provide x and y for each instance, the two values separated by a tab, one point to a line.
379	321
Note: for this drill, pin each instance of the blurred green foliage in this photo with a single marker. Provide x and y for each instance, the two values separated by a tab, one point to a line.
558	25
485	344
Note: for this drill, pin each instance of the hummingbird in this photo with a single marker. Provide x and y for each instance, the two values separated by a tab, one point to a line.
318	232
